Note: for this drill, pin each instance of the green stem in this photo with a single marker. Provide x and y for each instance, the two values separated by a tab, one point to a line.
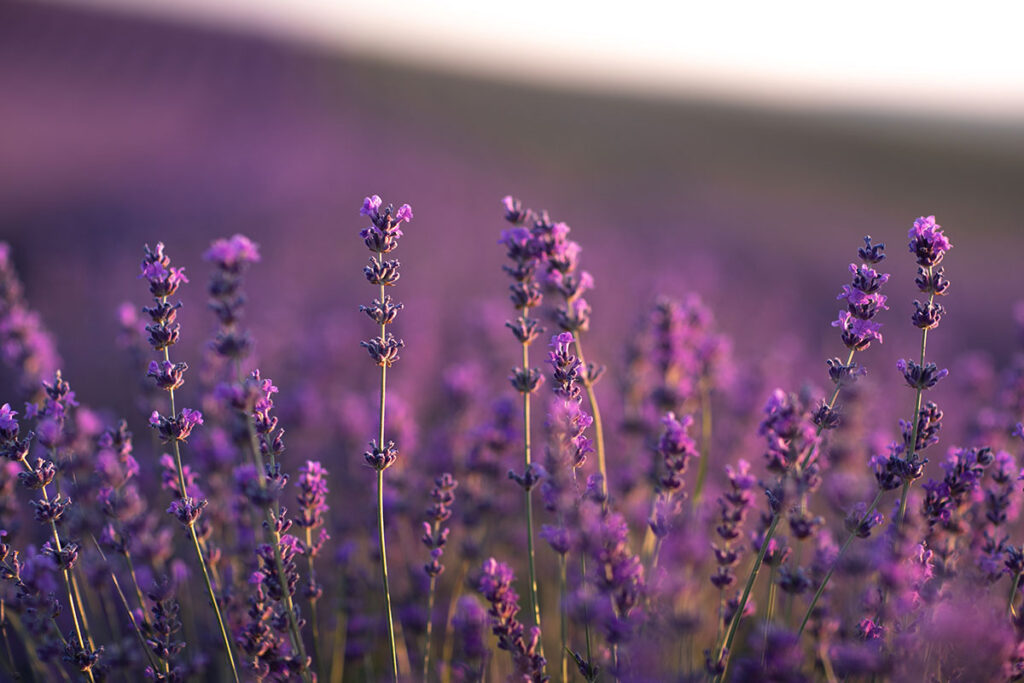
528	495
586	611
317	654
65	572
380	495
835	563
271	512
195	539
1013	594
912	446
831	405
595	412
131	616
725	649
564	615
384	571
768	612
213	600
705	441
430	625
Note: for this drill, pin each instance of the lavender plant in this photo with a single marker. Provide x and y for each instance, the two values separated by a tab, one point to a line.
381	238
640	582
175	428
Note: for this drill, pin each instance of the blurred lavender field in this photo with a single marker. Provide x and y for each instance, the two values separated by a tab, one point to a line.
117	132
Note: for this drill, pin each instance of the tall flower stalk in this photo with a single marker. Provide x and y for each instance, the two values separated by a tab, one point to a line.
175	428
525	253
435	537
563	274
381	238
928	245
858	330
48	511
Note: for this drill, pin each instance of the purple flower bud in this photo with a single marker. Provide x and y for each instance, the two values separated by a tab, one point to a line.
871	253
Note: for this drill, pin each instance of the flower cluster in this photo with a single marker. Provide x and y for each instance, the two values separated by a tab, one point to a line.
495	584
675	449
435	536
312	499
863	300
381	237
231	257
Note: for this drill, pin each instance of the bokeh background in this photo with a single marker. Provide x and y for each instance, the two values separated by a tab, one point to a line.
747	178
133	124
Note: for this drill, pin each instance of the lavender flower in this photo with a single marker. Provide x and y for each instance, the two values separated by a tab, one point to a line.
231	257
382	237
434	536
495	584
25	345
176	427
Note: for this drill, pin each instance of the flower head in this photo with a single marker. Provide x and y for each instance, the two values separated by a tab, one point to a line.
927	243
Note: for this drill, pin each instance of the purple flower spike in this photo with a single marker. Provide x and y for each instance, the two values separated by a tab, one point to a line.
927	242
495	584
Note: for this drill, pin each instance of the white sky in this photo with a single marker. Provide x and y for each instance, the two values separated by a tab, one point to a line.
937	57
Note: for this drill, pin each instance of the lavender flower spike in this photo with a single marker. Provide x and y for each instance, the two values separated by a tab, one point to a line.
381	237
175	428
495	585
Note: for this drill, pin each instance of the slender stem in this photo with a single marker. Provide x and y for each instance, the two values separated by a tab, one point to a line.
449	630
768	613
380	494
430	625
528	495
835	562
339	639
1013	594
271	512
81	609
826	664
912	446
213	599
317	654
384	570
831	404
705	440
564	617
595	412
586	611
131	615
135	583
9	656
64	572
725	649
183	489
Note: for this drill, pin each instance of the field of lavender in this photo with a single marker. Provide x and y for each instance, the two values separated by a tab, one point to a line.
704	526
237	445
